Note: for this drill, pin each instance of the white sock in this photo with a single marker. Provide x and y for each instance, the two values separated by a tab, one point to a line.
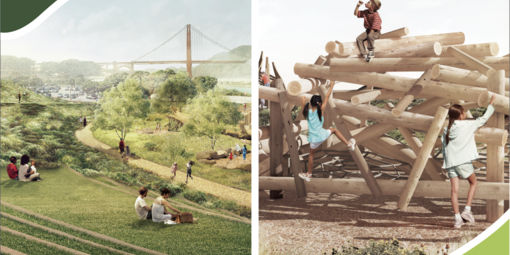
457	216
467	209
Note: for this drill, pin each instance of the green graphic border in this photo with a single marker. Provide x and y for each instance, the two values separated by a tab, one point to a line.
15	14
495	244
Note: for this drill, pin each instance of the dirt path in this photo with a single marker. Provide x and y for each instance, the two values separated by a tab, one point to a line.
216	189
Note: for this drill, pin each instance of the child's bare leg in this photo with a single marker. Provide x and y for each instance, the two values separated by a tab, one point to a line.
472	188
455	192
339	135
310	160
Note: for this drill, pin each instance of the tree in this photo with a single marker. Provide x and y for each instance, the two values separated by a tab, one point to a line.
209	115
114	79
120	107
177	88
71	67
23	66
205	83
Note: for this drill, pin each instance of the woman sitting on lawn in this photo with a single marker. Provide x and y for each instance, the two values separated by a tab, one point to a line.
12	171
159	211
25	173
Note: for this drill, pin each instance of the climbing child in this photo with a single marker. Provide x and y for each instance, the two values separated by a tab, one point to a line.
459	149
265	80
316	133
372	25
188	172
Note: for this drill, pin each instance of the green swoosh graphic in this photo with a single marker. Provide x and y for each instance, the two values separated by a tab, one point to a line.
15	14
495	244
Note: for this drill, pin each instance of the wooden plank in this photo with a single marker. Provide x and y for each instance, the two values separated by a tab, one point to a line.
484	190
422	158
495	153
294	155
356	154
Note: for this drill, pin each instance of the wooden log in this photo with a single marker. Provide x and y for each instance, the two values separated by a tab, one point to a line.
356	154
396	83
334	48
364	122
474	63
294	155
495	153
410	95
474	50
432	49
411	64
437	189
501	105
295	88
276	140
351	48
395	33
421	160
432	167
461	76
298	126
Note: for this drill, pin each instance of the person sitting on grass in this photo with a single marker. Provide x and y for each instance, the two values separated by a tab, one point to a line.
34	170
12	171
141	208
459	149
159	211
25	173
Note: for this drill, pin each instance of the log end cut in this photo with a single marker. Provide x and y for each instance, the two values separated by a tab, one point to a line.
294	88
484	99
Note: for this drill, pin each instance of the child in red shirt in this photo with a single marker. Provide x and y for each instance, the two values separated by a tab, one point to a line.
372	25
12	171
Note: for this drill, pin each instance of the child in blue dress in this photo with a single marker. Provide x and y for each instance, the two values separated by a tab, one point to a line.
316	133
459	149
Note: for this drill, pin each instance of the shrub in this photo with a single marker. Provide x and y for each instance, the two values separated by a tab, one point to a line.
195	195
174	189
226	204
174	125
151	146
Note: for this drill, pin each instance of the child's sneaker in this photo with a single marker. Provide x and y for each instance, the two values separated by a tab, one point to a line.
458	223
305	176
352	144
365	57
468	216
370	56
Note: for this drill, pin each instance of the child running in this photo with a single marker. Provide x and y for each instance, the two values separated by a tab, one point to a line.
372	25
188	172
459	149
317	134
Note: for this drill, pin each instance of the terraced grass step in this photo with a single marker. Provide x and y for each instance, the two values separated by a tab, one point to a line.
9	251
30	238
60	233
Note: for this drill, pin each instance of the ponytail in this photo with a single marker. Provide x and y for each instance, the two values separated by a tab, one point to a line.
453	114
315	101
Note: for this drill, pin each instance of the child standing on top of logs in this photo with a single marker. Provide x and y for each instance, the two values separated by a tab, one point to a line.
316	133
459	149
372	25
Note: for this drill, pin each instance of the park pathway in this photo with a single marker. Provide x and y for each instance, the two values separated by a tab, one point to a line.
209	187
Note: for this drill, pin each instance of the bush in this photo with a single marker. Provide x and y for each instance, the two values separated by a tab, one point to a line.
174	125
174	189
381	247
228	205
196	196
151	146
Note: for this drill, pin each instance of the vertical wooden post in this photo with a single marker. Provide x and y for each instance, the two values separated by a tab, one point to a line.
291	142
422	157
275	140
356	154
495	153
328	123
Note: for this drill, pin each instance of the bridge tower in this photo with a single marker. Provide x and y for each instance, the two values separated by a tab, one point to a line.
188	50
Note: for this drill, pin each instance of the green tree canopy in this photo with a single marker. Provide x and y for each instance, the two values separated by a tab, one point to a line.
114	79
71	67
177	88
210	114
120	107
20	66
205	83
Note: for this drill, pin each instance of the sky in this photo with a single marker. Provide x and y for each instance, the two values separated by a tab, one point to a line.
296	31
124	30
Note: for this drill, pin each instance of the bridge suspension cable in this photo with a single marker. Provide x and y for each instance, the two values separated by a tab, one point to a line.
161	44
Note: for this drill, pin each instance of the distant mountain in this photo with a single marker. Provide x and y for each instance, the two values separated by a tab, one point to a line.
227	70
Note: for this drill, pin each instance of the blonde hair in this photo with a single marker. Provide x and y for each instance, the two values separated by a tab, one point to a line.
376	4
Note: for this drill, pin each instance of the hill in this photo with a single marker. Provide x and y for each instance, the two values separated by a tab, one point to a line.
228	70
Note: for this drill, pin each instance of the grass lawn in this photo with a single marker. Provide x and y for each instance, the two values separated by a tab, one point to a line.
233	178
69	198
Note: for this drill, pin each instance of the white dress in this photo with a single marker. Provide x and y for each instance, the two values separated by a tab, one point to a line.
158	212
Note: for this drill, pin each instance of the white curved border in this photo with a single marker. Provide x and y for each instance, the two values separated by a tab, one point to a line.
35	23
484	235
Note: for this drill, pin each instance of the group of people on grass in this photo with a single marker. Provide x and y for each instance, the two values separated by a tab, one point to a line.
26	172
244	150
159	211
459	147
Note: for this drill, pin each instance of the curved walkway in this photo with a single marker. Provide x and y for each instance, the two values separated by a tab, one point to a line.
213	188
